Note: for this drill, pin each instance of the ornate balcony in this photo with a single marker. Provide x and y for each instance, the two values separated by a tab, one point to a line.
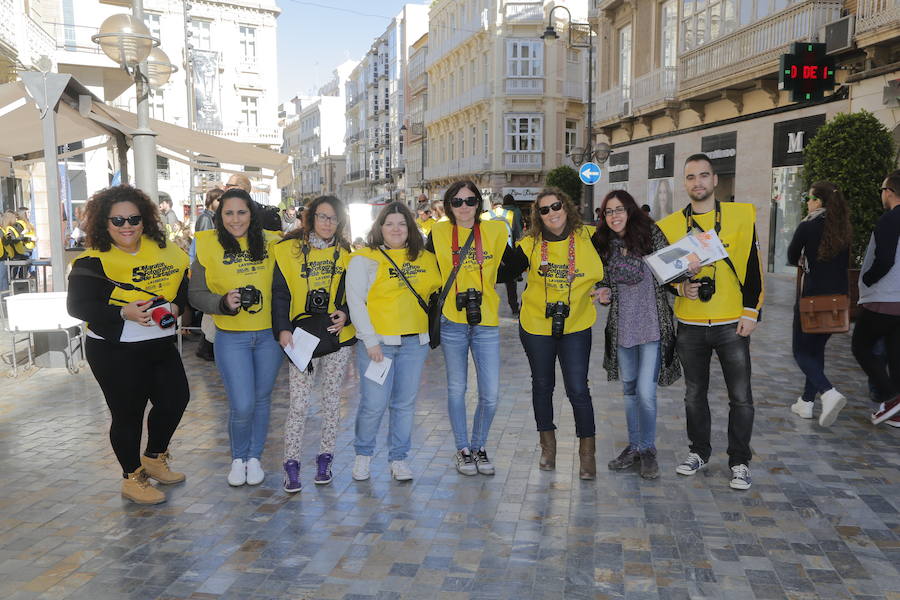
518	161
872	14
525	86
756	46
613	103
519	13
654	87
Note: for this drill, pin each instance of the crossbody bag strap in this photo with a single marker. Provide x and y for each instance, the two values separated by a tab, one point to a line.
422	302
462	252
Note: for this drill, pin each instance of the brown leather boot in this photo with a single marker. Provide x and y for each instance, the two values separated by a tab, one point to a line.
548	450
586	451
158	468
137	488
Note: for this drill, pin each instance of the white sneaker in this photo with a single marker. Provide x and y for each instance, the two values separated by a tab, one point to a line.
802	408
400	470
255	473
361	467
832	403
238	474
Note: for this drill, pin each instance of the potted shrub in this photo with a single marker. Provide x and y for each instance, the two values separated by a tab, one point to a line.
854	151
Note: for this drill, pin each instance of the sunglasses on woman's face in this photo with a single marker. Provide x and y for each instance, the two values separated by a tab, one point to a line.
470	201
133	220
545	210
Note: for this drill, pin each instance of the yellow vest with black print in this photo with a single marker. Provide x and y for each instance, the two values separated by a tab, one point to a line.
727	304
493	240
157	270
588	271
228	271
290	258
25	231
393	309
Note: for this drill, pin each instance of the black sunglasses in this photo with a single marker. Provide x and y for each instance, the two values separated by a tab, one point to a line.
133	220
545	210
470	201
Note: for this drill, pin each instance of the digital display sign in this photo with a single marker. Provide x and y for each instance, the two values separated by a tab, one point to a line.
807	72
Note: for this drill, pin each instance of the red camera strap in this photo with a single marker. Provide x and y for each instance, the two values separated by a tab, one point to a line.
545	258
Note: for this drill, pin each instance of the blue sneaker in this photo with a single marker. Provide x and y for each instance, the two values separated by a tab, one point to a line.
292	477
740	477
691	464
323	468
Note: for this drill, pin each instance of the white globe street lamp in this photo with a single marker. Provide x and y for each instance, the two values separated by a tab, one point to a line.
125	40
159	69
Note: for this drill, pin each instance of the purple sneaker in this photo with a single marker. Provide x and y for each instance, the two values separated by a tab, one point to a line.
292	477
323	468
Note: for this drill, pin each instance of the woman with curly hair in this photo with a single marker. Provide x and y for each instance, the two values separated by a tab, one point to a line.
821	248
310	266
130	286
556	318
640	329
231	279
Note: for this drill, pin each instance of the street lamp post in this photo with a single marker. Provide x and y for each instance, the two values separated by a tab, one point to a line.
550	34
127	41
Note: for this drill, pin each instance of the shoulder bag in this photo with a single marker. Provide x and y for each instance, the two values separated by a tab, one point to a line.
828	313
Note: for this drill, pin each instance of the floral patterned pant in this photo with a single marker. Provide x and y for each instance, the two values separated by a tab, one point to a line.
333	369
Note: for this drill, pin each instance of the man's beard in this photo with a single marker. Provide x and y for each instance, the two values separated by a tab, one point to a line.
701	199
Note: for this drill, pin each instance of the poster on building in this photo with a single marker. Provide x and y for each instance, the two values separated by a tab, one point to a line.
661	196
521	194
207	92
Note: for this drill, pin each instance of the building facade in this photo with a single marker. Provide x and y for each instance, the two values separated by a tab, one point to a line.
226	86
504	106
676	77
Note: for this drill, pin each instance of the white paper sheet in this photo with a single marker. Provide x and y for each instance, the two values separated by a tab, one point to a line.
377	372
671	263
304	345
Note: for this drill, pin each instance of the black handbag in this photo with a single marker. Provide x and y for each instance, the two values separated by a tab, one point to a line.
317	324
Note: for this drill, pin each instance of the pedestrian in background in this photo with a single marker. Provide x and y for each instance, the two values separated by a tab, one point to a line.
205	222
500	212
640	329
879	304
310	280
130	343
470	317
820	248
383	281
557	315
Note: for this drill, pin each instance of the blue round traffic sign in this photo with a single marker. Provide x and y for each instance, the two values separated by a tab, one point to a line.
590	173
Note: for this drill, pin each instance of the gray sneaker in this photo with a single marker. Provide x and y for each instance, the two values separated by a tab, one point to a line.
625	460
649	466
465	462
483	463
740	477
691	464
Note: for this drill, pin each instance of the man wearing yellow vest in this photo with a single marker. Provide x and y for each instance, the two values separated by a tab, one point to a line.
717	309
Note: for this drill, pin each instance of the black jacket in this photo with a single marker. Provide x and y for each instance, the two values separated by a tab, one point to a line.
824	277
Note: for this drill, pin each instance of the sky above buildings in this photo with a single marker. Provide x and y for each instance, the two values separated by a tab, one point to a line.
315	37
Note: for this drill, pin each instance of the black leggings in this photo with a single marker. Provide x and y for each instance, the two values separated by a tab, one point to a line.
130	374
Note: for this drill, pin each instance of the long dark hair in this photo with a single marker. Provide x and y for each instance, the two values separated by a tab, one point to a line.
96	216
414	242
837	233
309	222
451	192
637	237
573	220
256	241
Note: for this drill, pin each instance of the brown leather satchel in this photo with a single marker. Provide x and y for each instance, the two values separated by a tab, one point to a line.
825	314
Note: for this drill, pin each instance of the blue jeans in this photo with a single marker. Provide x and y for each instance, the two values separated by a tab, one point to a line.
398	393
248	362
484	341
809	354
4	276
639	370
574	353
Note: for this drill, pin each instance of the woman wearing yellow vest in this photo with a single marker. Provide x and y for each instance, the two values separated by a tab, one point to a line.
556	318
231	279
471	317
309	280
130	286
391	324
7	246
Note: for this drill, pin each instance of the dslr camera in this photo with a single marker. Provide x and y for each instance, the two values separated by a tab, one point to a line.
470	300
317	301
159	313
707	288
557	311
250	296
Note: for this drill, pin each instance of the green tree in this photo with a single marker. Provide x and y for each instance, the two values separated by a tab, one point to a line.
855	152
566	179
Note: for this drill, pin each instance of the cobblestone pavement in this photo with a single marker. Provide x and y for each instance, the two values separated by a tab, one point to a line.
820	521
